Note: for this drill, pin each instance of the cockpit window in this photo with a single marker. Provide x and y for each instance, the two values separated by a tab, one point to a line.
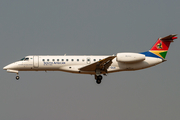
22	59
26	59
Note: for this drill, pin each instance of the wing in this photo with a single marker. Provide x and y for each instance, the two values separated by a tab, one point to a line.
102	65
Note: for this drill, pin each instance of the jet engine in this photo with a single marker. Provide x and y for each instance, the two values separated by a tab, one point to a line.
129	57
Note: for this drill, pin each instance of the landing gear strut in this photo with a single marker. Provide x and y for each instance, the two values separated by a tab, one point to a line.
17	77
98	78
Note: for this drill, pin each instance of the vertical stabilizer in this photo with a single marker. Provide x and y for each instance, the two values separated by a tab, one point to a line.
161	47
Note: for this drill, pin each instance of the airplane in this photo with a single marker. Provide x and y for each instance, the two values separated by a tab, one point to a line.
95	65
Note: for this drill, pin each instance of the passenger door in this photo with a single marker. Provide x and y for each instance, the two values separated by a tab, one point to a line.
36	61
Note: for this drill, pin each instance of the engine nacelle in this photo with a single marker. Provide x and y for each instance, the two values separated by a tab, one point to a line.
130	57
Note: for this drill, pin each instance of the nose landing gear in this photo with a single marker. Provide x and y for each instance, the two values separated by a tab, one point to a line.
98	78
17	77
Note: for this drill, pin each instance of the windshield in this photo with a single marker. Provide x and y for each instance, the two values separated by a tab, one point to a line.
24	59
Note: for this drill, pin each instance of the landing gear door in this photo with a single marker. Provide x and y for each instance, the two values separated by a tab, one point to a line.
36	61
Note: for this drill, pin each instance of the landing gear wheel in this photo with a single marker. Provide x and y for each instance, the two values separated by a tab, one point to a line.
98	79
17	77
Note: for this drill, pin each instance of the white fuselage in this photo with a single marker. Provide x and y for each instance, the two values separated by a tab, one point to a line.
73	63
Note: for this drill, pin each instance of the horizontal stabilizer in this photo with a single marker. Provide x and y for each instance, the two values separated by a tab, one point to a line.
169	37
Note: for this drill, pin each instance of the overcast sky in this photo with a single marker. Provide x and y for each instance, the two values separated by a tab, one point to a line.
88	27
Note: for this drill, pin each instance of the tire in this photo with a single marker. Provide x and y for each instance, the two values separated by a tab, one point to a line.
17	77
99	77
98	81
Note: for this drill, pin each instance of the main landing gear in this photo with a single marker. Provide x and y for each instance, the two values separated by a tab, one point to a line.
98	78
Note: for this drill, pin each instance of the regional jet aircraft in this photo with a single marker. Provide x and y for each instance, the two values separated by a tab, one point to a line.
95	65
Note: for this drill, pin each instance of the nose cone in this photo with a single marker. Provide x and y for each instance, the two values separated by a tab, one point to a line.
10	66
5	68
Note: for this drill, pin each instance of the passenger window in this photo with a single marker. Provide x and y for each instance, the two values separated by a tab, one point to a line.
72	60
43	60
94	59
83	60
52	59
62	59
77	59
99	59
47	59
57	59
66	59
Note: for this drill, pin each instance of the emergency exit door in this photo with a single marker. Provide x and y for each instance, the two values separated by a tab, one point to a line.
88	60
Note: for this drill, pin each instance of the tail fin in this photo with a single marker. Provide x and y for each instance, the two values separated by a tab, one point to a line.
161	47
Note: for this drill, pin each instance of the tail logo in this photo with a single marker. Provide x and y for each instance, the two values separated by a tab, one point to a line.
159	46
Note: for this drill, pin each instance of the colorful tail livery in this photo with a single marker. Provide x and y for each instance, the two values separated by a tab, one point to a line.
161	47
